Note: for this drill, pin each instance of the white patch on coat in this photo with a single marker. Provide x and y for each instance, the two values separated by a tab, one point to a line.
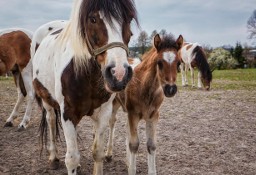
169	57
117	54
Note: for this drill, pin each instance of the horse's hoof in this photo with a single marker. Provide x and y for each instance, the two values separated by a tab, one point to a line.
54	164
108	158
21	128
8	124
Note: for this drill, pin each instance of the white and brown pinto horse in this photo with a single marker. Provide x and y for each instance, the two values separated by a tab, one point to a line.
192	55
77	69
153	79
15	57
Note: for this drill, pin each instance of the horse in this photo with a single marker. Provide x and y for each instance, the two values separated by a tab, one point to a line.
42	31
77	72
153	79
191	56
15	57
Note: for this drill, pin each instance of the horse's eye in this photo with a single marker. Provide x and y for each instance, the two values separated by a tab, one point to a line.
160	64
93	20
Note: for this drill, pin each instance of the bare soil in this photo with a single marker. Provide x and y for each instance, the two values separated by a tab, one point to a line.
199	133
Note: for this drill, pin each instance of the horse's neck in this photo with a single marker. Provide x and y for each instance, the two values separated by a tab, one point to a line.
147	72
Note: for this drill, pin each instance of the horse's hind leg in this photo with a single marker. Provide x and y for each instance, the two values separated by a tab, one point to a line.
151	144
112	122
14	114
186	71
51	121
132	143
27	79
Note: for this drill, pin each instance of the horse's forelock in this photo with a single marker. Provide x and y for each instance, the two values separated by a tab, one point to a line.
167	41
120	10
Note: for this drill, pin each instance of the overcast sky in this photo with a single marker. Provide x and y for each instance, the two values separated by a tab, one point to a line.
212	22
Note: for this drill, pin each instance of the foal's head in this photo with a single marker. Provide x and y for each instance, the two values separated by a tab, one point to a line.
105	26
167	55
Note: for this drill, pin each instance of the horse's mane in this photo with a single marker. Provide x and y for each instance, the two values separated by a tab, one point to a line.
120	10
201	62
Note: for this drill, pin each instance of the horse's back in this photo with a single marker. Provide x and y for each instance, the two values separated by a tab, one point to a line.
43	31
186	52
9	30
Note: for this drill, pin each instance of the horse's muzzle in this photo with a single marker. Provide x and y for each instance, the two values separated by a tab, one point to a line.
170	90
112	83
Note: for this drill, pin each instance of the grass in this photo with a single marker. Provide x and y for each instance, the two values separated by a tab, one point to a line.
236	79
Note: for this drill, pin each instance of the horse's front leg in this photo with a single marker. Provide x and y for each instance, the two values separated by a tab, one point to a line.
151	143
199	82
132	142
182	74
192	75
72	158
100	124
112	122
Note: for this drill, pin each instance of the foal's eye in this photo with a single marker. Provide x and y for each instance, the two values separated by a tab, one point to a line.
93	20
160	64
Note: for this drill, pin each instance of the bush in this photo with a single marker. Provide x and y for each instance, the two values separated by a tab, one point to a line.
221	59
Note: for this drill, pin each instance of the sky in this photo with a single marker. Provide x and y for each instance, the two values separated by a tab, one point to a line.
212	22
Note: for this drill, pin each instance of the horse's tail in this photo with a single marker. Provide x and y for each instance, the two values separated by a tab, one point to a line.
43	124
18	79
201	62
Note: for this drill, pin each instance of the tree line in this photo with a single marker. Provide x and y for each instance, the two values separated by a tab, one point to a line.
224	57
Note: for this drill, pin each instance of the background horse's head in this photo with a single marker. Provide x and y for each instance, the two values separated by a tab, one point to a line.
167	53
105	28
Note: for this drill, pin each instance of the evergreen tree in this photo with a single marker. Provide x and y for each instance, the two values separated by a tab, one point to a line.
238	55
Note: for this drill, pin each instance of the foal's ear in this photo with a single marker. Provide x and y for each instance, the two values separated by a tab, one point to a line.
157	41
179	41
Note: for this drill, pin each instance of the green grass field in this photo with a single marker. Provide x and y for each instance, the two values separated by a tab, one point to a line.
236	79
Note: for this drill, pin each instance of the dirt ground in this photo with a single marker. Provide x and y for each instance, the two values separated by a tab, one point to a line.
199	133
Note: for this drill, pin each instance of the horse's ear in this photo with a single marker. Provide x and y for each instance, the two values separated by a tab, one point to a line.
157	41
179	41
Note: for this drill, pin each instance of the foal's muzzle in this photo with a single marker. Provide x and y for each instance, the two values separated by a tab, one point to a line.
170	90
112	83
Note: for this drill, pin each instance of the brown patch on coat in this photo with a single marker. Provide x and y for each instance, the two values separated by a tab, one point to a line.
14	49
83	93
43	93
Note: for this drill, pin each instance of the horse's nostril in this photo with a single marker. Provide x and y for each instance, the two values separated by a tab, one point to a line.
112	71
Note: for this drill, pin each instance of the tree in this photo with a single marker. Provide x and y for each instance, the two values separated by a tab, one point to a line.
153	34
221	59
163	32
251	25
143	42
238	55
